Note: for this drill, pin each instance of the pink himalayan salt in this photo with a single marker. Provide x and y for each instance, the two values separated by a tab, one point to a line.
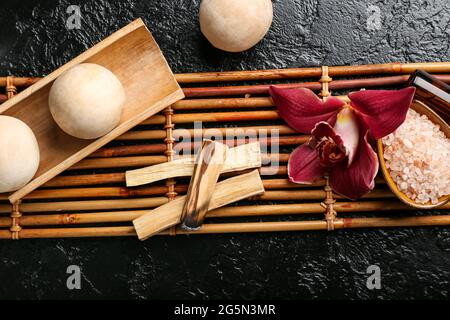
417	157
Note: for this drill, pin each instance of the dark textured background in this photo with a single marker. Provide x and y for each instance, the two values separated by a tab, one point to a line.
415	263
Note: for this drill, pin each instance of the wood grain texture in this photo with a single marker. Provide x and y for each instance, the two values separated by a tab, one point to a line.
243	157
134	57
207	169
226	192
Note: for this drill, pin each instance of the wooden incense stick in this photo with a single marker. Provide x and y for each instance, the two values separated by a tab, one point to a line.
226	192
240	158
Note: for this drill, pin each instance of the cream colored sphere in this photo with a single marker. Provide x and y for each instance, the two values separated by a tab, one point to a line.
235	25
87	101
19	154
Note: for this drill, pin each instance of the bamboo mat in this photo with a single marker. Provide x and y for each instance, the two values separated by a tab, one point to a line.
91	200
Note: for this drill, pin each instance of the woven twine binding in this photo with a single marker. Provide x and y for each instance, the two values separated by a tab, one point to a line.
11	90
170	153
15	228
328	203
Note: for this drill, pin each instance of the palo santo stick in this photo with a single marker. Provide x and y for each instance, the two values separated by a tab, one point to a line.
240	158
207	168
226	192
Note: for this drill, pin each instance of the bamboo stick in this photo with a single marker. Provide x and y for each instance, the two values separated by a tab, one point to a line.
208	104
159	190
118	162
152	202
316	86
230	103
89	205
20	81
238	131
294	73
234	116
71	232
120	151
263	89
144	161
85	180
225	212
115	178
291	73
284	226
146	149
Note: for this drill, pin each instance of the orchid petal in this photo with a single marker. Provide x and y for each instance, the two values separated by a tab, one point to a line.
304	166
358	179
383	111
302	109
347	127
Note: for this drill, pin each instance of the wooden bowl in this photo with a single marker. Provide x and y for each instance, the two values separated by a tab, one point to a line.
150	86
420	108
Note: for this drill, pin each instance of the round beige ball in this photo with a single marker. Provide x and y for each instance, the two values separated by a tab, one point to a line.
235	25
19	154
87	101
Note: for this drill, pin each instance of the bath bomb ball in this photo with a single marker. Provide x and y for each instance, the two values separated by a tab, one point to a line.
87	101
19	154
235	25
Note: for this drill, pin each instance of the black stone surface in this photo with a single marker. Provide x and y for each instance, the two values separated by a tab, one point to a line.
415	263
